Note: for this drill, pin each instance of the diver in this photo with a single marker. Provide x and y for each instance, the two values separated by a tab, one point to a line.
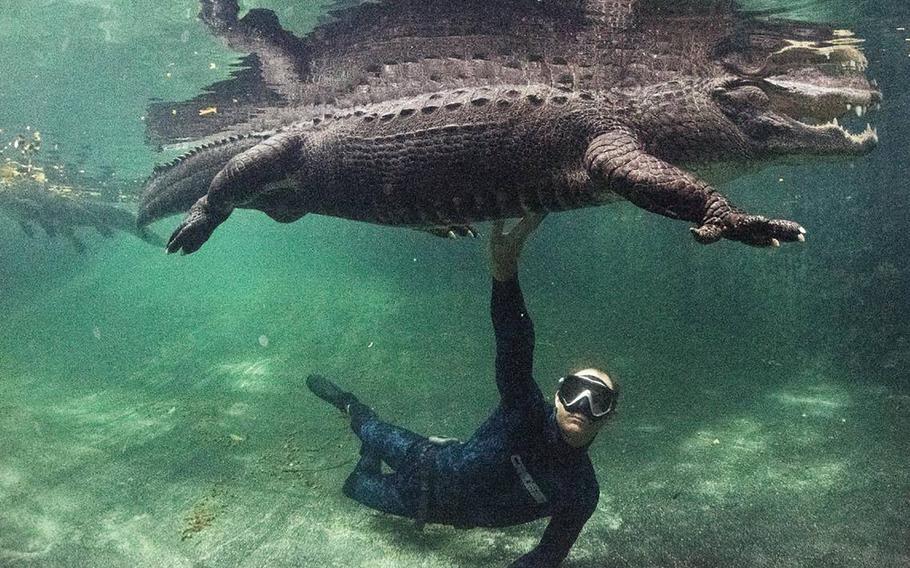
527	461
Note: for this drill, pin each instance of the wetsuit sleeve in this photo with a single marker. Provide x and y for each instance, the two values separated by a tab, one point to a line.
559	536
514	342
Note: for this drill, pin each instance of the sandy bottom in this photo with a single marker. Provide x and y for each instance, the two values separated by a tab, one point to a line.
807	476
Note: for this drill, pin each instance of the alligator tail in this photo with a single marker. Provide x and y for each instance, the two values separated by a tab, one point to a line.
174	187
107	218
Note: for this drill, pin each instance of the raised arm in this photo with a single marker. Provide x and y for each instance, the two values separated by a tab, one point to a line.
511	321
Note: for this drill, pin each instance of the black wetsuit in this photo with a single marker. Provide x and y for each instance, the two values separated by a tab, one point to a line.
514	469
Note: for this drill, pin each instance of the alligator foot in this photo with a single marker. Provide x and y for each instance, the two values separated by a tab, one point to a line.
196	228
753	230
451	231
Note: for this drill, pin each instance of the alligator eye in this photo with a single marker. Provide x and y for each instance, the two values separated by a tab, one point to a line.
748	96
754	96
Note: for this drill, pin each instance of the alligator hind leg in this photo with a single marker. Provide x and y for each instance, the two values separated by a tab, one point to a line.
282	54
659	187
243	180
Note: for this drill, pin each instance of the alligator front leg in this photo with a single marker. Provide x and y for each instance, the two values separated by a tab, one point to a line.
659	187
242	181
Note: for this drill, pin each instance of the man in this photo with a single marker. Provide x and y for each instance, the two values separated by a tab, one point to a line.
528	460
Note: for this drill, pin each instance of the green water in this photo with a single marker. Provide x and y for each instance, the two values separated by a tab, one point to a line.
766	408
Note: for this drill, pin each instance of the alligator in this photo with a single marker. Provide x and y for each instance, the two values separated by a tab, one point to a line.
437	114
58	214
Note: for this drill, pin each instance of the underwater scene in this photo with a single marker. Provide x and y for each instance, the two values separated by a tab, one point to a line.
338	366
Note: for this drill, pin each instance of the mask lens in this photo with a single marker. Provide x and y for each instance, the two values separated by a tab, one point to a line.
575	389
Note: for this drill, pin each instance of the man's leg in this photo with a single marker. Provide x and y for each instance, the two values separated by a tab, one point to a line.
380	440
390	493
394	493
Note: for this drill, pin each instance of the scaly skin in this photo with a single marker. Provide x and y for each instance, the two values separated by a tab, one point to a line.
442	159
174	188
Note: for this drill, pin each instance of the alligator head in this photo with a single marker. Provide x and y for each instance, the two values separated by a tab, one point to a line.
802	96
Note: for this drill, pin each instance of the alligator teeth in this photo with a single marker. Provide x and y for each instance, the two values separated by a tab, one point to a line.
873	132
868	134
849	106
835	122
859	110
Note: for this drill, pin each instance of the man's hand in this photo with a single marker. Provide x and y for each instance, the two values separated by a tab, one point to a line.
505	248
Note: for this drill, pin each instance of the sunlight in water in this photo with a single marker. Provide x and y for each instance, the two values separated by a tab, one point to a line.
819	400
743	456
250	376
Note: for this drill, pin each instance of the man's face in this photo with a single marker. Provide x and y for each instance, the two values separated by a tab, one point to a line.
577	429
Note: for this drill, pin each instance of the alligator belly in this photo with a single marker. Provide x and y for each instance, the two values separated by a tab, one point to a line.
459	199
466	174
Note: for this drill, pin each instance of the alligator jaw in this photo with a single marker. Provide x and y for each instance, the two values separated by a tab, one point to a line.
868	137
829	138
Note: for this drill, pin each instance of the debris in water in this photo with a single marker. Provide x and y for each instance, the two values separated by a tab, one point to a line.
264	340
96	332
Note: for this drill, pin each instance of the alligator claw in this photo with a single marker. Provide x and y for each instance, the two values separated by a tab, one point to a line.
752	230
465	231
759	231
195	229
451	231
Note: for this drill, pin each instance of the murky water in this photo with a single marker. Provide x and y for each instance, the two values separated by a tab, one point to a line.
153	411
